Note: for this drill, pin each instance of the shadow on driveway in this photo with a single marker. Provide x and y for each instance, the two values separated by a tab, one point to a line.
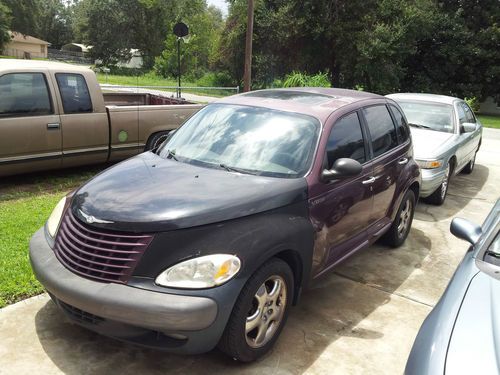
332	309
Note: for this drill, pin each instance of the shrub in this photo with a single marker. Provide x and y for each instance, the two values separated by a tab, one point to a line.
215	79
298	79
473	103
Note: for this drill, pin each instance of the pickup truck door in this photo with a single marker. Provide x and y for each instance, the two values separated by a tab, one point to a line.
30	132
85	138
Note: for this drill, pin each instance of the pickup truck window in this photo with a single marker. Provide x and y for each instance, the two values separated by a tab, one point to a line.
24	94
74	93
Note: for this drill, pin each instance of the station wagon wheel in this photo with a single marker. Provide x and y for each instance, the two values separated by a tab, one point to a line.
266	313
397	233
260	312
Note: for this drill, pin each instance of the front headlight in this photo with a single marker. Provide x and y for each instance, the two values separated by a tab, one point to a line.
429	164
203	272
55	218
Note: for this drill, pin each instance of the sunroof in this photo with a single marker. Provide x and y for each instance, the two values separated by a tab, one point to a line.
294	96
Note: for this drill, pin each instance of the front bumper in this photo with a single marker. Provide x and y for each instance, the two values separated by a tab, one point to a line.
180	323
431	180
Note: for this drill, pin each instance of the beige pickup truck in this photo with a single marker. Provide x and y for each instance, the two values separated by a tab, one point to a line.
54	115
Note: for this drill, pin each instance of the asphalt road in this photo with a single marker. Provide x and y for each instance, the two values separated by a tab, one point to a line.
360	319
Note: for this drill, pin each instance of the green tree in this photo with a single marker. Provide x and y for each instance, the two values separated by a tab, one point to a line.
25	15
55	23
5	20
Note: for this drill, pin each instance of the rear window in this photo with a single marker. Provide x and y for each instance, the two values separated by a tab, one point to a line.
74	93
24	94
401	125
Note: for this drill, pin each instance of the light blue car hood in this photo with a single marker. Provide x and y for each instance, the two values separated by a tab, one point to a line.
475	342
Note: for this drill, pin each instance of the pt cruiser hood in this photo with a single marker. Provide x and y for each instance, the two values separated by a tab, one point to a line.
475	342
429	143
149	193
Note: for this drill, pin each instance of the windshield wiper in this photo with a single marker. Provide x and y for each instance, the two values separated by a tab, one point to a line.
419	126
171	155
234	169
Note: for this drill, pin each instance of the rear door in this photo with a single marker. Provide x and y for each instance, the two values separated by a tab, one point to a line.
30	134
85	129
388	161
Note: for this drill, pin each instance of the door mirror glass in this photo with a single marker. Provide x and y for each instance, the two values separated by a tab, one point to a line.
465	230
468	127
342	168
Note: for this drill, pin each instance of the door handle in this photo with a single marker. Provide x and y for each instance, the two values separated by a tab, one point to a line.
403	161
53	125
371	180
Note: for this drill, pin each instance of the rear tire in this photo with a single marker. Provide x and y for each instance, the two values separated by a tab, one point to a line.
260	312
401	226
437	198
156	140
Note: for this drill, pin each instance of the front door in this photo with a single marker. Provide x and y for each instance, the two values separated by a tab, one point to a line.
85	130
341	209
30	133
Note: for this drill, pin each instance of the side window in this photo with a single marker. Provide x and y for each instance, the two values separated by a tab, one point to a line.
469	115
346	140
401	125
461	114
74	93
382	130
24	94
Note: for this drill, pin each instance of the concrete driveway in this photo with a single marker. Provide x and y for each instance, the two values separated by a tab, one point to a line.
360	319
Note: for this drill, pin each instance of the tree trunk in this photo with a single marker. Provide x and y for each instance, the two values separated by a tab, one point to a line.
247	77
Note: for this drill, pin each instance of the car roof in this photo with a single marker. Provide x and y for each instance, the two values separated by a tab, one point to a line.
443	99
318	102
20	64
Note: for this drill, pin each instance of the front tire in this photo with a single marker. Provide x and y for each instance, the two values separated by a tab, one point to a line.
400	228
437	198
156	140
260	312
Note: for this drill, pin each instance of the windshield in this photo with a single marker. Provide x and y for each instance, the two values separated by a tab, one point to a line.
433	116
246	139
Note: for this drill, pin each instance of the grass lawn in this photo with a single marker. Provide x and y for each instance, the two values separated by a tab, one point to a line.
490	121
25	204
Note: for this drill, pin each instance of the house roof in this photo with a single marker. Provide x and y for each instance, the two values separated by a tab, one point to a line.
22	38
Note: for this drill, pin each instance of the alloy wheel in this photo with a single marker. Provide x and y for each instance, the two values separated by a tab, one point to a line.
404	218
266	313
444	184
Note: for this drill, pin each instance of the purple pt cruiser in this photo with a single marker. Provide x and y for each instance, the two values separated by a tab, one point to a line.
209	239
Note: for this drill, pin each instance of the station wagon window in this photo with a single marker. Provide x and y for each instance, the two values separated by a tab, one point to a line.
346	140
24	94
382	130
401	126
74	93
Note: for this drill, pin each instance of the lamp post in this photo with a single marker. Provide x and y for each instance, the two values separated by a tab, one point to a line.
180	30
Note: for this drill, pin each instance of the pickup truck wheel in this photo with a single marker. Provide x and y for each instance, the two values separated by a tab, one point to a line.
260	312
156	140
437	198
401	226
470	166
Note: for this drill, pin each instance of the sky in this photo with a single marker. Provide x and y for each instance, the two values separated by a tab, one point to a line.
221	4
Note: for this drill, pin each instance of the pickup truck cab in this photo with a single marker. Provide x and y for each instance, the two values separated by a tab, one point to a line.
210	238
54	115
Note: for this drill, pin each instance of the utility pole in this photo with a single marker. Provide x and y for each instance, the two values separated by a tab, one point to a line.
247	77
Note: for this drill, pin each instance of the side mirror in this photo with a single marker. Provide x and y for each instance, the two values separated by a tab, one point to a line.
465	230
468	127
342	168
